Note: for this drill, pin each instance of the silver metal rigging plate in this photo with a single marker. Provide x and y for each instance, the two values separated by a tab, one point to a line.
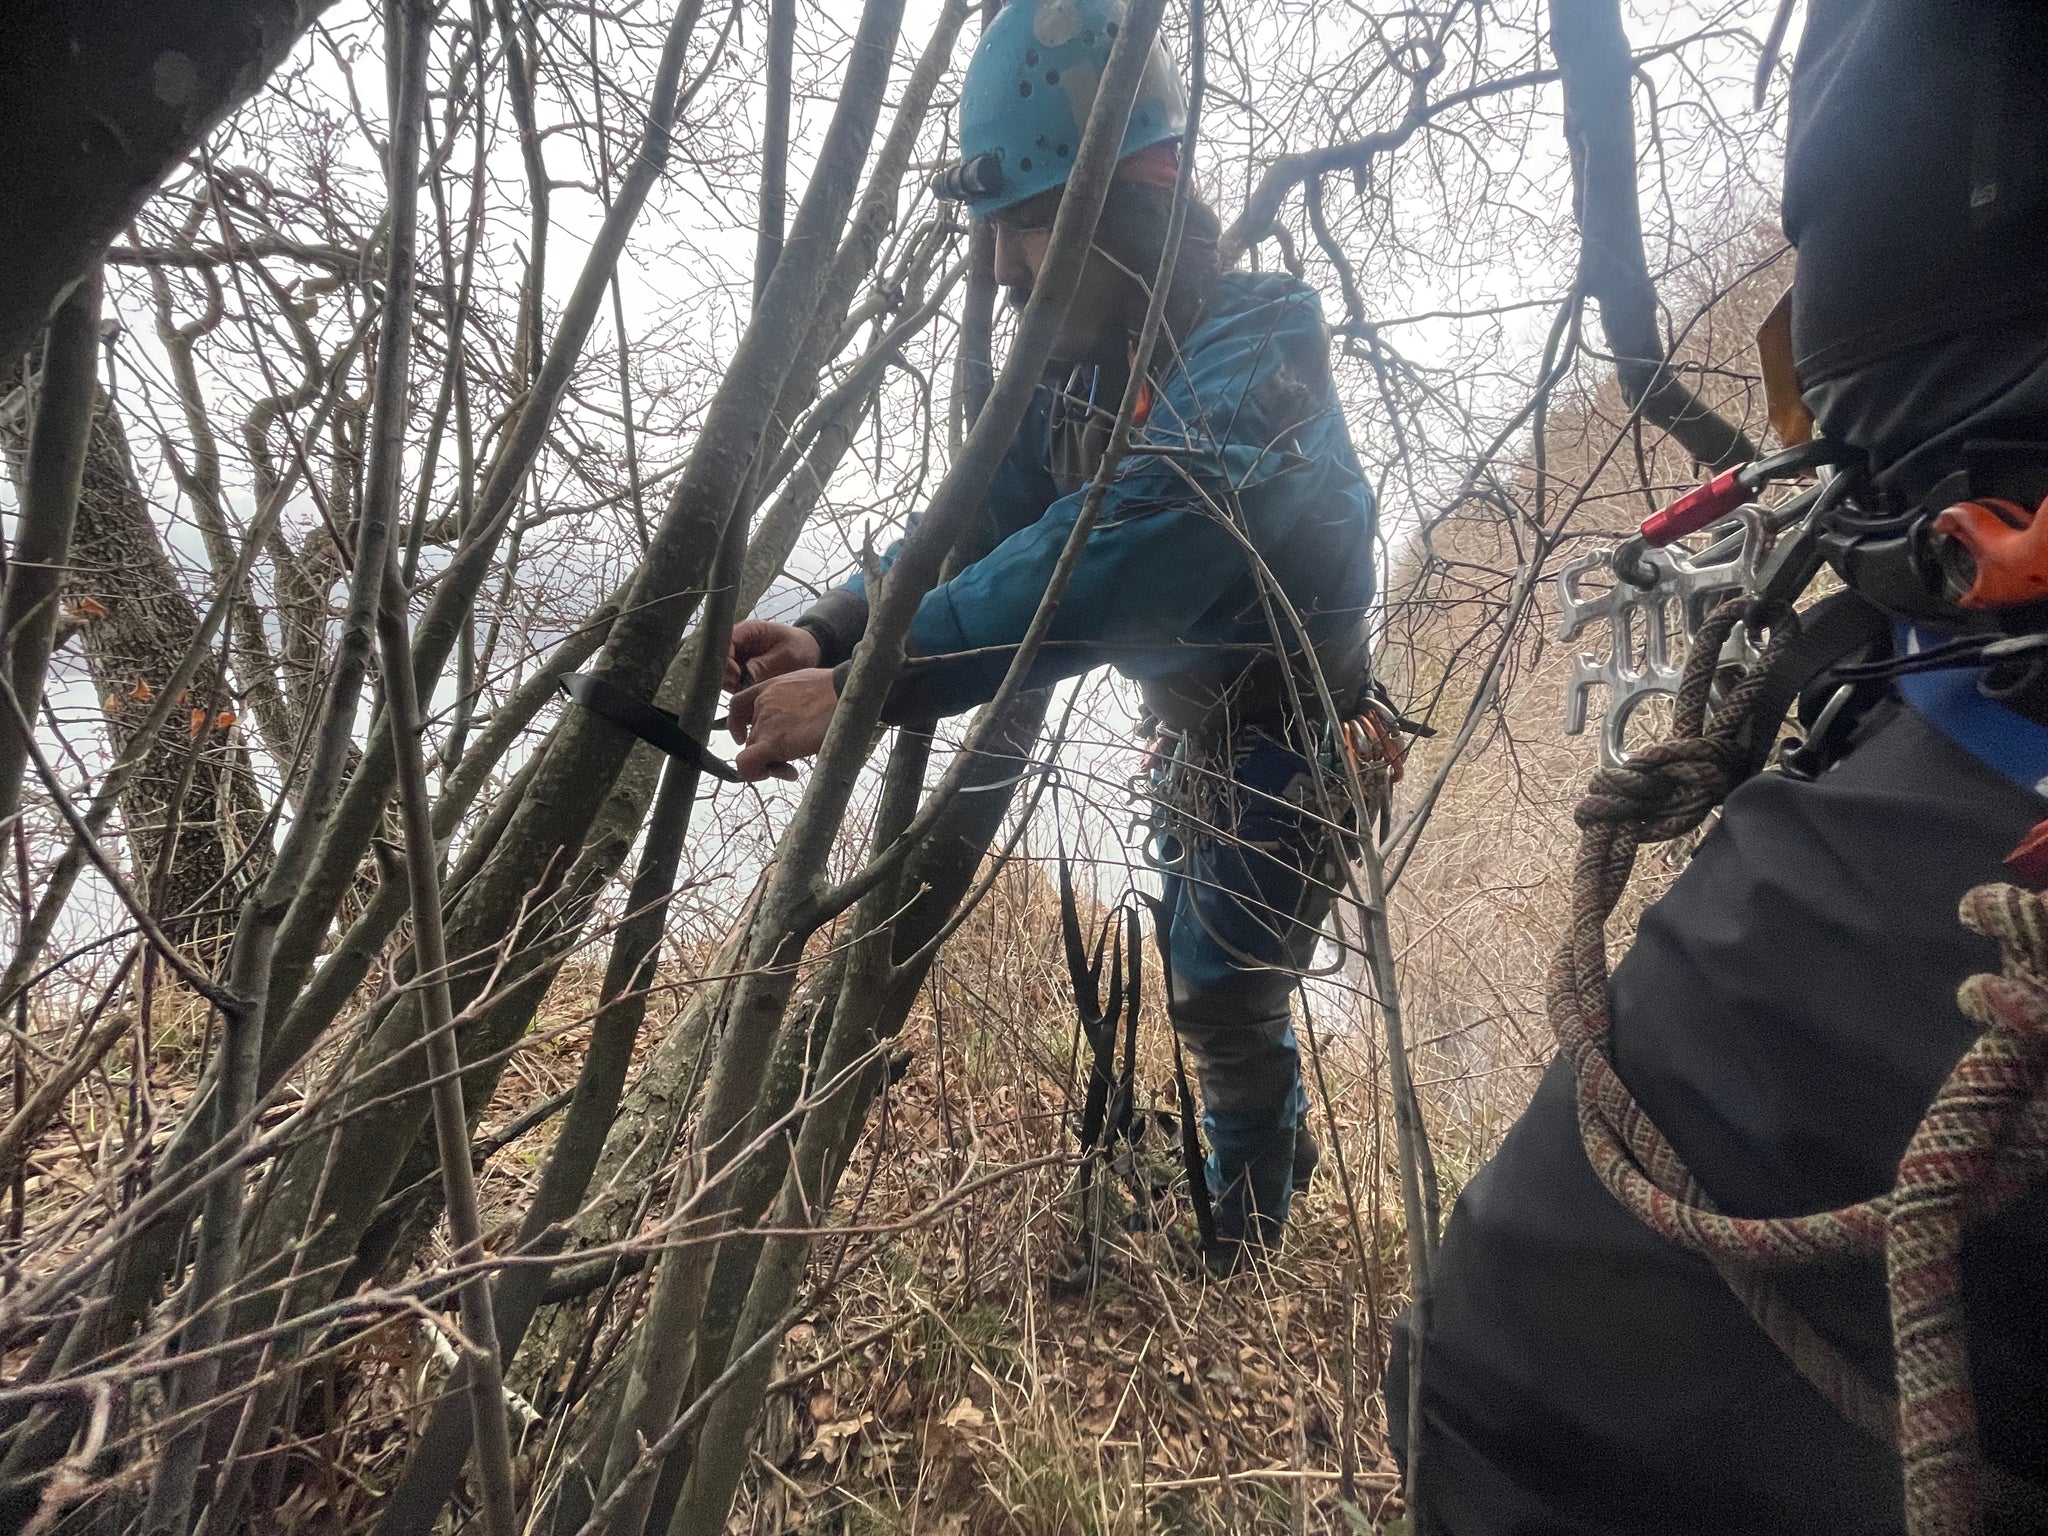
1649	629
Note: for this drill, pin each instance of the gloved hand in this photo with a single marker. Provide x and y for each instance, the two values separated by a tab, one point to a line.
762	649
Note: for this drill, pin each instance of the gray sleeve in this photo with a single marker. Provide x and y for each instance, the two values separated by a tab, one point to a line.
838	619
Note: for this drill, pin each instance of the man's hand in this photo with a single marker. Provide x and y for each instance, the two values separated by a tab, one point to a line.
761	650
781	720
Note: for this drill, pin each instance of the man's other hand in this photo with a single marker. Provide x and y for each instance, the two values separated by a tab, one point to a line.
762	649
781	720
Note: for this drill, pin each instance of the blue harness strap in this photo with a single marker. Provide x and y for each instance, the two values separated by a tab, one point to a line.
2003	740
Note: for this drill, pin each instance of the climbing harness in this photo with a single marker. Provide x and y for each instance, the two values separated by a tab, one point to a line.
1185	804
1981	1144
1183	807
1970	555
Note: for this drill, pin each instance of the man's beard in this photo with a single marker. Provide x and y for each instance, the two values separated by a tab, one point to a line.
1110	344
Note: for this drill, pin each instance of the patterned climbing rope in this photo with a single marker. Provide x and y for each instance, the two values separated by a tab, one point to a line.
1982	1142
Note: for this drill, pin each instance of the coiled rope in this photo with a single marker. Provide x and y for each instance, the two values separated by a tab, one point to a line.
1982	1142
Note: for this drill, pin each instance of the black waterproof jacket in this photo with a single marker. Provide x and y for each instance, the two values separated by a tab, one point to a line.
1785	1015
1916	190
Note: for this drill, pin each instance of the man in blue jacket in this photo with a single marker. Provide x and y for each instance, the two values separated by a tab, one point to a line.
1240	500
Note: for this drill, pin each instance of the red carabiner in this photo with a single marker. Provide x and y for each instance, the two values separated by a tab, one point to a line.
1723	496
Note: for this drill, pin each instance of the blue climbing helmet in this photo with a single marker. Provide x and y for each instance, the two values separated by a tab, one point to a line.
1028	90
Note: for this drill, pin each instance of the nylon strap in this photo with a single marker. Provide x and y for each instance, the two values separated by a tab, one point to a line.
1193	1161
1831	631
1110	1104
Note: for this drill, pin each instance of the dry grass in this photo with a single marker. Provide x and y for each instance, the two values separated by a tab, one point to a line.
962	1380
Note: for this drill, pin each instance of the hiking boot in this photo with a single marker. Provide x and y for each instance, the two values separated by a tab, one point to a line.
1230	1256
1307	1156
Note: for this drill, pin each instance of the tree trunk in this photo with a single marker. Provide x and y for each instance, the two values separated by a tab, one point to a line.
57	435
133	621
102	101
1599	125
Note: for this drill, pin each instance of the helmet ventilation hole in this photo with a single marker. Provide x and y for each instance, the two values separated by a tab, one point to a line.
1023	87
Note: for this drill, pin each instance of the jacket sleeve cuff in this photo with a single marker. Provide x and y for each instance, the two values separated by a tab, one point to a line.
906	703
837	621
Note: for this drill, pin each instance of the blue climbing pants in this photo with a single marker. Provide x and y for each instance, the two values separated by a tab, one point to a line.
1250	869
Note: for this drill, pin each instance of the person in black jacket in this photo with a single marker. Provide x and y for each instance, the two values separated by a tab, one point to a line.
1788	1011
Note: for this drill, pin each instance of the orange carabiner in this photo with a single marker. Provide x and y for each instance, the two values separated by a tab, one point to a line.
2008	546
1375	745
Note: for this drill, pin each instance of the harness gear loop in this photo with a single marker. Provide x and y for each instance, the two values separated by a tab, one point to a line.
1982	1142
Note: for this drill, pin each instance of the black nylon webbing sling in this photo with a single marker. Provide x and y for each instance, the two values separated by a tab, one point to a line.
1109	1105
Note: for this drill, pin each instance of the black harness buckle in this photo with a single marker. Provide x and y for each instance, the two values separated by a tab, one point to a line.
1890	553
